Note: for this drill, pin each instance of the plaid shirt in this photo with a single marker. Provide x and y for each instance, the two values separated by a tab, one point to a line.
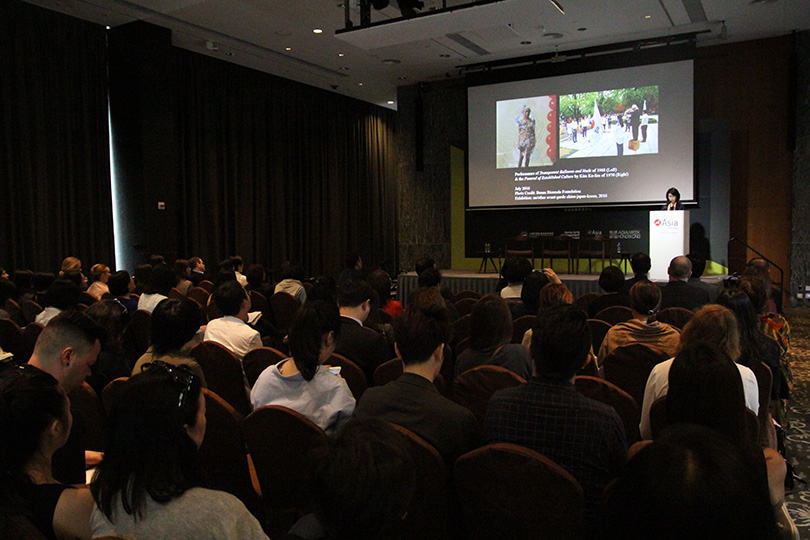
583	436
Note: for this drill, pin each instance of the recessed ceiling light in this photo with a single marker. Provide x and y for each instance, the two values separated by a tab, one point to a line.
552	35
390	101
317	31
287	48
108	28
340	54
525	42
359	84
391	61
444	56
648	16
343	68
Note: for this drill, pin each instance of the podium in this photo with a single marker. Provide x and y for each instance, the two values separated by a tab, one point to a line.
669	238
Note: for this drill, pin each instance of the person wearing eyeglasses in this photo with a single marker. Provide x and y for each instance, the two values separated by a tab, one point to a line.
149	483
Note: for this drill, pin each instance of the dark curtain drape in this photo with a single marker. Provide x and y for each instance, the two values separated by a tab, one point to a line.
274	170
54	147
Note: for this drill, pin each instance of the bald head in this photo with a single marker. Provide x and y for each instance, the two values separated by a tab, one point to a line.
67	347
679	268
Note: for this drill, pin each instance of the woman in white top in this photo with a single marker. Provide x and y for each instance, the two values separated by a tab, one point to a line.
619	135
302	382
712	324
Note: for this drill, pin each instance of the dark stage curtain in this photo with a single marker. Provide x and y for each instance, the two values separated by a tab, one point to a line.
274	170
54	153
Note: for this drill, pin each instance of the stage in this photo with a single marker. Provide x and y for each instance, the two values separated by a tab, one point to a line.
455	281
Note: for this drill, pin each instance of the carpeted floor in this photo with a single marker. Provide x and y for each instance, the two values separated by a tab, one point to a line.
798	435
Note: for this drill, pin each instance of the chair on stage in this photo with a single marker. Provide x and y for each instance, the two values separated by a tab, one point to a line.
520	246
557	247
594	247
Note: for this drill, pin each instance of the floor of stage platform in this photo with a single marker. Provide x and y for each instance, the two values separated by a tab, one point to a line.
485	283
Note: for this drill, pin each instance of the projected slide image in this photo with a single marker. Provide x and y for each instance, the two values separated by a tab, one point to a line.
619	122
526	133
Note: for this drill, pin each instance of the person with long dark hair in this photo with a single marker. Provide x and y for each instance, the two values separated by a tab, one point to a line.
35	421
302	382
149	483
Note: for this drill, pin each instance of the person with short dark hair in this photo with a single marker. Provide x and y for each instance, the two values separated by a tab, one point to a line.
423	264
197	270
292	275
514	270
491	340
113	318
149	484
361	484
412	401
677	292
161	280
175	331
62	295
257	280
698	267
301	382
232	330
141	278
548	415
367	348
611	280
380	281
673	200
530	294
352	268
120	285
645	297
640	263
183	272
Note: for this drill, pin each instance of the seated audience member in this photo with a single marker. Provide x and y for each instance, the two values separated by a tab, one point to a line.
380	281
42	280
645	297
324	289
704	389
412	401
113	318
141	278
292	275
431	278
514	270
197	270
99	275
72	269
302	382
640	264
352	269
232	330
611	280
698	267
552	294
149	483
678	293
760	268
156	259
62	295
548	415
365	347
426	263
183	272
773	325
712	324
161	281
121	285
24	282
7	290
490	340
361	484
257	280
238	264
530	294
690	483
67	349
754	345
175	326
35	421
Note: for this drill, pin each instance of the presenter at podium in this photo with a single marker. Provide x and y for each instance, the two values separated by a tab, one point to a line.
673	200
